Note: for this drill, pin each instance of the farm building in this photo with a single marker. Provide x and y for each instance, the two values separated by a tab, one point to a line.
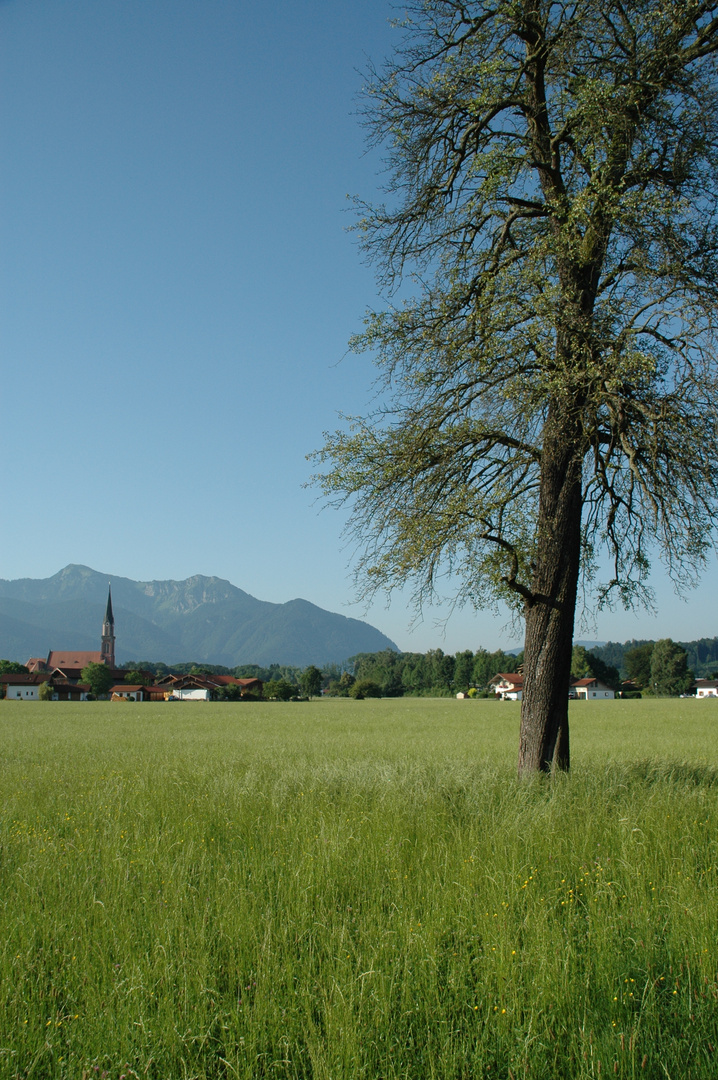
26	687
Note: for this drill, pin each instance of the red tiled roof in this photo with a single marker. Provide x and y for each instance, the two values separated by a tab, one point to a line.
63	658
25	679
512	677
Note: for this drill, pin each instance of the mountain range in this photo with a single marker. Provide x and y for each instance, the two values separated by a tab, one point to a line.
200	619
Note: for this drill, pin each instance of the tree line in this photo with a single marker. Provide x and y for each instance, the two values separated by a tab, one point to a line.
438	674
660	668
433	673
701	654
200	667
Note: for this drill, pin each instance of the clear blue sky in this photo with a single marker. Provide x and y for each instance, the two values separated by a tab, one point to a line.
178	287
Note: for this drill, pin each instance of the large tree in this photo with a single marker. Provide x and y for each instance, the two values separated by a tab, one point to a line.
549	389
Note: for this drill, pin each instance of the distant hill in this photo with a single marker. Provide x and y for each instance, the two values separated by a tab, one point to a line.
201	619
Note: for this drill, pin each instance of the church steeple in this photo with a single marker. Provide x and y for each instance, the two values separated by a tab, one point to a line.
108	633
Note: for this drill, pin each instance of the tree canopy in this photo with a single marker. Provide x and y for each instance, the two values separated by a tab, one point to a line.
548	391
137	677
279	690
311	681
98	677
669	669
12	667
638	664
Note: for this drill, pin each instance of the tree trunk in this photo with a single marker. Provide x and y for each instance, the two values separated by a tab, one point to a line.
550	611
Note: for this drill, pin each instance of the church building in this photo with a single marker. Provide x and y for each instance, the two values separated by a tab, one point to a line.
67	659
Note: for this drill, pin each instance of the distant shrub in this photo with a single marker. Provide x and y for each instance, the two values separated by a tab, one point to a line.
45	691
279	690
365	688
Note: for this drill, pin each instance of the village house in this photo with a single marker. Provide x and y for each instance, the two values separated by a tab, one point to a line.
26	687
203	687
246	686
508	687
138	692
590	689
706	688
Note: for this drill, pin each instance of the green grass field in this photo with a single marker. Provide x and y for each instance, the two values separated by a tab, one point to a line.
343	889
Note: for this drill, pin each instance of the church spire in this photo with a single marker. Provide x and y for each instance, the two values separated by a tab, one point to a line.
108	632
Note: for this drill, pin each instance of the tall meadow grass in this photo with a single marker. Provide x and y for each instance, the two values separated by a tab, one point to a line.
344	889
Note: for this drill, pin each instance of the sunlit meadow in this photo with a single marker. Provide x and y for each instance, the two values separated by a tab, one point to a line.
343	889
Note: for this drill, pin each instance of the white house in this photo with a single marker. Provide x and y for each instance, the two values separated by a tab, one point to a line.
706	688
24	687
191	693
127	692
508	687
590	689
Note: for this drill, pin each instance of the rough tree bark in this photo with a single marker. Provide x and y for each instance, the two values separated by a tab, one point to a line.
549	611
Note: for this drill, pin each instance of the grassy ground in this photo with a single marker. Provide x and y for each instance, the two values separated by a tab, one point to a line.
356	889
